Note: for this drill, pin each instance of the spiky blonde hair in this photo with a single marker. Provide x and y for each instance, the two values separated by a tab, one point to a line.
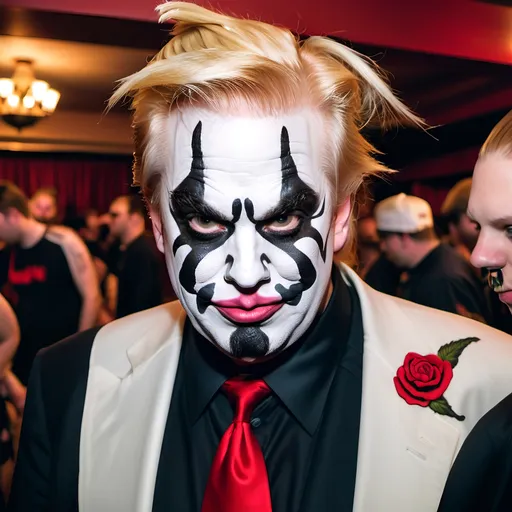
221	62
500	138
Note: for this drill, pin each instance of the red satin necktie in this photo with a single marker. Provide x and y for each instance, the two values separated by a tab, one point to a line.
238	480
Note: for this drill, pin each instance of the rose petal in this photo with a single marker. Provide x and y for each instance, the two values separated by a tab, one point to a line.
434	382
406	396
423	378
434	360
409	359
411	389
415	367
438	391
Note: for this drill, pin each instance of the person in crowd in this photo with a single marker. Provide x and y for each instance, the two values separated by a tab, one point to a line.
463	234
481	477
43	206
50	282
138	267
373	265
279	381
461	230
368	244
107	280
91	229
437	276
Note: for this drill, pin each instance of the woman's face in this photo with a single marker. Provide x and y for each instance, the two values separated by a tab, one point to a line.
490	207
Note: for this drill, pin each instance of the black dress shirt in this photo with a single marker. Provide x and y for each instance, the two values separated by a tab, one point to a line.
308	428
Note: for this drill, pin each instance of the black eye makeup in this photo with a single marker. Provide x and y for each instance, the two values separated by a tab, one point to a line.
205	228
287	224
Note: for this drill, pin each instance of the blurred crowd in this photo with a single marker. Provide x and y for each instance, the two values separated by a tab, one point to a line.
403	250
60	275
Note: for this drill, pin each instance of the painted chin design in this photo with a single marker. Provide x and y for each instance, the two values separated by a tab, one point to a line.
249	329
495	279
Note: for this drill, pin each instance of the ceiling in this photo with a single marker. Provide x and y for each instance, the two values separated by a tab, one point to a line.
461	28
452	68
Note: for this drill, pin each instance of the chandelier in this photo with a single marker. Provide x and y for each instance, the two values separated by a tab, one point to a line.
24	100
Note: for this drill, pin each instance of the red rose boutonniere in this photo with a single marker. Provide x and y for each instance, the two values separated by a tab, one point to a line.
422	380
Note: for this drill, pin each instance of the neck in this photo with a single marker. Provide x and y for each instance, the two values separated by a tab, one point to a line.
131	235
31	233
423	251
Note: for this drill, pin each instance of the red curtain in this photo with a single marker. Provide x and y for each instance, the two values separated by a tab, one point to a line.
434	195
81	183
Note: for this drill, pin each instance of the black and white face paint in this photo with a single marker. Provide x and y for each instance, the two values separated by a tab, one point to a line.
247	217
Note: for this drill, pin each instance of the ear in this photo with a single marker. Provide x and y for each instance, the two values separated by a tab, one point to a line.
156	222
342	224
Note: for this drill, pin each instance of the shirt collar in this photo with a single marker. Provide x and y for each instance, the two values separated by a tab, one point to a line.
301	377
303	380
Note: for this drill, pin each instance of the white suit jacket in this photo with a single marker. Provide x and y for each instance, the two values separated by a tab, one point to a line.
405	451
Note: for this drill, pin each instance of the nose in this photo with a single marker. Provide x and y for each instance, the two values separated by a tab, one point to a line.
247	264
488	252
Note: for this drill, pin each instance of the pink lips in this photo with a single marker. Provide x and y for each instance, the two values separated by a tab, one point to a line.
506	297
249	309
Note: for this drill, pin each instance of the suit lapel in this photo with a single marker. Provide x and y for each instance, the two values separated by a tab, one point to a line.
120	450
405	452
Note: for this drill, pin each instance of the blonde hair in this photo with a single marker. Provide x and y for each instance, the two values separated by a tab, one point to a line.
500	139
222	61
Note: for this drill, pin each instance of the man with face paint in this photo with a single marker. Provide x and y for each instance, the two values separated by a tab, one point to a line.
277	382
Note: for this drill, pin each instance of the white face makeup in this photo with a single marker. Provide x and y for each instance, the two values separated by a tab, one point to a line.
490	208
246	215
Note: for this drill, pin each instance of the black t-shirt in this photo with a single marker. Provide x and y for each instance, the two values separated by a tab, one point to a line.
39	285
139	275
444	280
308	428
383	276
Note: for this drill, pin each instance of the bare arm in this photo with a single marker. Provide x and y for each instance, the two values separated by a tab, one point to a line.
9	335
83	271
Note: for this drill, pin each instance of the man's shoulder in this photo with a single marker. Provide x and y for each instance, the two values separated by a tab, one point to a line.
72	355
62	235
419	327
497	424
65	355
440	324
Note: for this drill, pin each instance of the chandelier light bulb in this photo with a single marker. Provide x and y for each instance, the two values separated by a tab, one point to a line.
50	100
24	101
13	100
39	89
29	102
6	87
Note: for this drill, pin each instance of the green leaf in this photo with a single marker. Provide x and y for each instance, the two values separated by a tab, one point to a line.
452	351
441	406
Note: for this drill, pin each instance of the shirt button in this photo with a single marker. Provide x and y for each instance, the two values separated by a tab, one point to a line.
255	422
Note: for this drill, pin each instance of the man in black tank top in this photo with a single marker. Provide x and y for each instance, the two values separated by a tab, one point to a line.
49	279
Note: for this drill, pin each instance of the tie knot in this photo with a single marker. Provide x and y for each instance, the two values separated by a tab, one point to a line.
245	395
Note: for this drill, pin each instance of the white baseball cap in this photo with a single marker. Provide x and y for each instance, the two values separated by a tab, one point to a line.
403	214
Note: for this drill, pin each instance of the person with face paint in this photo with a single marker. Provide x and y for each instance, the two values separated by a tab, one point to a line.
277	382
481	478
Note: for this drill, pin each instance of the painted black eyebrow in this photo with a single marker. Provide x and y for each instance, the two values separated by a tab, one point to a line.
295	203
187	203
